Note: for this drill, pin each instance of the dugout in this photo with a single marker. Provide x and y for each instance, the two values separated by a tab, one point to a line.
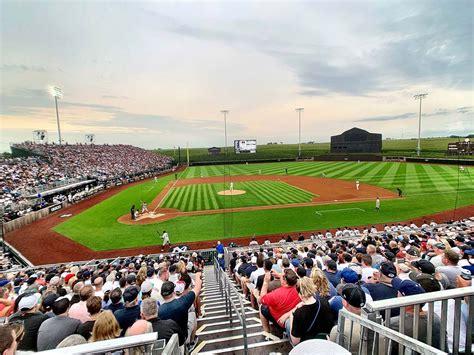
358	141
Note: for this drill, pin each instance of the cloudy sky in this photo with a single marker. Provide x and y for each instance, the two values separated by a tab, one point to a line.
157	74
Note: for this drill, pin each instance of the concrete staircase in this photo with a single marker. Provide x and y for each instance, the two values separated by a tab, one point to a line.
218	336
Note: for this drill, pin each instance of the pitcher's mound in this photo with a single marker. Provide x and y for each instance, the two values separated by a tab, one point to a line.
233	192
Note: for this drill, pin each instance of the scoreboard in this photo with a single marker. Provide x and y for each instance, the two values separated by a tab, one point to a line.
245	146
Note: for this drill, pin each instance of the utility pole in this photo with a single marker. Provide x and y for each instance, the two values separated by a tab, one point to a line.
419	97
299	110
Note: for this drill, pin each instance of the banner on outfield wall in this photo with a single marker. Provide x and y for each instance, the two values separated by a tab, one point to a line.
55	208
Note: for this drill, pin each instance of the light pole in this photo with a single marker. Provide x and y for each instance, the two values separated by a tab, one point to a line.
299	110
225	112
58	94
419	97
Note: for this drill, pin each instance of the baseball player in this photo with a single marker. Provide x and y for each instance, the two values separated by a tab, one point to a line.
377	204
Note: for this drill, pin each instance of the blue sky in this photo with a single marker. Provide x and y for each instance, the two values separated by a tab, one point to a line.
157	74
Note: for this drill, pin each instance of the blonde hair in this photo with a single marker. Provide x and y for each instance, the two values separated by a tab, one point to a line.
106	327
180	267
306	287
320	281
141	275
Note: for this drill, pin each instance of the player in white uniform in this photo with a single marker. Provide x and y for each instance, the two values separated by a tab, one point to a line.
357	185
231	188
166	239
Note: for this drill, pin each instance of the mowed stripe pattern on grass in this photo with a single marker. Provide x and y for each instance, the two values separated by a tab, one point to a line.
258	193
410	177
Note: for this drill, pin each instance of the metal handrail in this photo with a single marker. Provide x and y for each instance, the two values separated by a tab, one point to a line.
105	346
228	291
407	342
375	310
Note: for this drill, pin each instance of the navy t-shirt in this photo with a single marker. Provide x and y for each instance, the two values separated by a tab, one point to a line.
178	309
381	291
126	317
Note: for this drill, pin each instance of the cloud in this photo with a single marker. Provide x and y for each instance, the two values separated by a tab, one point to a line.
378	48
403	116
115	97
21	68
409	115
465	109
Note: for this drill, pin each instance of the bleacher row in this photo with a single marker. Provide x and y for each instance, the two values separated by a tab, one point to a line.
371	294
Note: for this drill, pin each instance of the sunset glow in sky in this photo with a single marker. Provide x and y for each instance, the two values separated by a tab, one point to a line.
157	74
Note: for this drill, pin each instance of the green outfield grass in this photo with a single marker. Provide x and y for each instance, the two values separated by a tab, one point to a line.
431	147
427	189
258	193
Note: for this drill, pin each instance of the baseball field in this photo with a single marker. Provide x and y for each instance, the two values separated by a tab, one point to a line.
273	198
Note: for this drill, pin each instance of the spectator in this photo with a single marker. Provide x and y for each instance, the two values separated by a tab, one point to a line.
382	288
8	343
331	273
451	269
94	306
438	250
116	300
164	328
275	304
106	327
311	318
56	329
131	312
175	308
79	310
353	299
32	320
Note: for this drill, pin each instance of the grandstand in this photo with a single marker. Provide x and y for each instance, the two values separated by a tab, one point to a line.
353	277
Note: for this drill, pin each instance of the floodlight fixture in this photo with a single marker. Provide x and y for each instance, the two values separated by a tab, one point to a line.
57	93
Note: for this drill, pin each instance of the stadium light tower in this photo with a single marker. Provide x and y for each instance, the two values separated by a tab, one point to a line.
299	110
419	97
225	112
58	94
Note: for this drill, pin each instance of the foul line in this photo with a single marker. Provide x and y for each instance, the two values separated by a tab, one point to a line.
164	197
340	209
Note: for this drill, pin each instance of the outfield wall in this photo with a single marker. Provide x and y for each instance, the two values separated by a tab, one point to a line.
339	157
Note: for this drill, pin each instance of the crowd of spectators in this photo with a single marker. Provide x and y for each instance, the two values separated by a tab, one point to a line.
98	161
299	289
55	164
70	305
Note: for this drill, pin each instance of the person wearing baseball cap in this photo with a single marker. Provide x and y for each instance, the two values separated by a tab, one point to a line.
175	308
353	299
131	312
382	289
31	318
406	288
424	266
438	249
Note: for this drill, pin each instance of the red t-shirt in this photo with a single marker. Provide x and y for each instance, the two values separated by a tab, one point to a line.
281	300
